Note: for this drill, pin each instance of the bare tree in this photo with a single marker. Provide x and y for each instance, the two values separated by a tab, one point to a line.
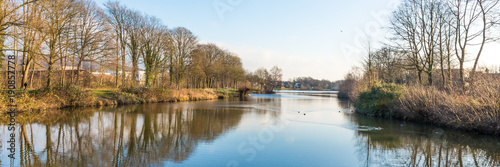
210	55
91	34
467	15
58	14
406	28
151	49
214	67
419	25
388	65
184	42
445	42
262	76
133	22
117	17
428	16
369	59
486	8
276	77
32	38
269	80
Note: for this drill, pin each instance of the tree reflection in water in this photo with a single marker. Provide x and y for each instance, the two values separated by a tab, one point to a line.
407	144
139	135
158	134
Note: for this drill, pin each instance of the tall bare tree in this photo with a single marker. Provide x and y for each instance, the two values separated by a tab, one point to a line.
90	34
207	57
428	16
117	17
151	50
57	14
468	14
133	22
32	37
406	28
276	77
487	22
445	42
184	42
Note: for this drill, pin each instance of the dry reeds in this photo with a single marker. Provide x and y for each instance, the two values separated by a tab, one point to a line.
477	109
154	95
61	97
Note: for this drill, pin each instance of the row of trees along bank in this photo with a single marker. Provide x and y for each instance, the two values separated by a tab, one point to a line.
431	72
62	42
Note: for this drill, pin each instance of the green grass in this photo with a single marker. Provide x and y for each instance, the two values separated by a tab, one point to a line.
226	93
379	99
104	93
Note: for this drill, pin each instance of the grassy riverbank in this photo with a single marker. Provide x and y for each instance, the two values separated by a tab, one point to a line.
477	111
62	97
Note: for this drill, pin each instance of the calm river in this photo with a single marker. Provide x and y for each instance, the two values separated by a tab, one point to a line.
291	128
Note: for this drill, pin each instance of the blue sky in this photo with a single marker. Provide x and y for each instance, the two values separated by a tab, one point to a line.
317	38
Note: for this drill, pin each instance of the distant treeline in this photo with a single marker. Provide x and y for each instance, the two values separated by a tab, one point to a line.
309	83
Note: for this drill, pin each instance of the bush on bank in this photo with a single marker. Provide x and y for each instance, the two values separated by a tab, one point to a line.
379	99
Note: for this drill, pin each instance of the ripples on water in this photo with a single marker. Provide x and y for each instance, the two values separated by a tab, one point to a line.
261	130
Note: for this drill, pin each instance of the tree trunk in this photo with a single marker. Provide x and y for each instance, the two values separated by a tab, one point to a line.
483	41
49	74
78	67
91	75
450	78
462	77
52	54
117	64
26	72
419	73
429	77
123	67
62	71
32	74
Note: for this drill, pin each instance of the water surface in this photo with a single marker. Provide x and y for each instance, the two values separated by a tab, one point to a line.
291	128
